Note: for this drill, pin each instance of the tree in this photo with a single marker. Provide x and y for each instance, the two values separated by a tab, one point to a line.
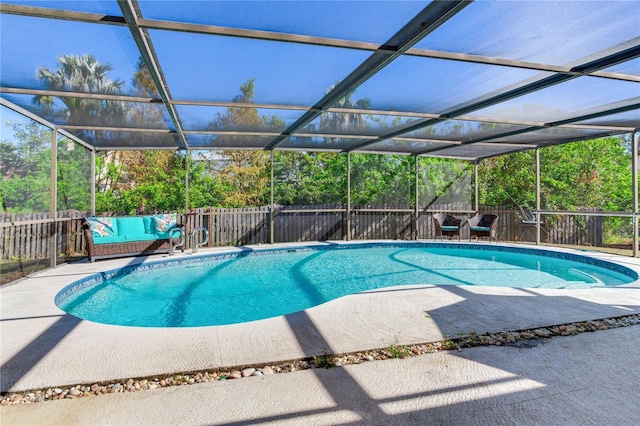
310	178
445	184
383	180
74	176
246	172
351	122
82	74
593	173
25	164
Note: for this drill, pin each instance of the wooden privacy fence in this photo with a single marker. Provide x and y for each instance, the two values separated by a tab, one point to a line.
28	236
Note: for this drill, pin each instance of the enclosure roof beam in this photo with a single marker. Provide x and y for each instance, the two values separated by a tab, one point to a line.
430	18
629	53
131	11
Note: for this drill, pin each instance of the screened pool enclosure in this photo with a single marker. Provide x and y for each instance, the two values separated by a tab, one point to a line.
439	89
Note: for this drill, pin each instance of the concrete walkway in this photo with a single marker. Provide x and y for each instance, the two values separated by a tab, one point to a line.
590	378
44	347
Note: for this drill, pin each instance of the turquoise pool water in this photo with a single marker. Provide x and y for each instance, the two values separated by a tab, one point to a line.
253	285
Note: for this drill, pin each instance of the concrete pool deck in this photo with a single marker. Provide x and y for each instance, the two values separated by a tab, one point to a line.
590	378
44	347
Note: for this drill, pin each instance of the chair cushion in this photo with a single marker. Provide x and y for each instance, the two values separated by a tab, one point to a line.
128	226
449	228
102	226
164	222
481	228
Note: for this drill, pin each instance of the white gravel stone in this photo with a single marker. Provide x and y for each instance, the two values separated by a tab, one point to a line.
248	371
542	332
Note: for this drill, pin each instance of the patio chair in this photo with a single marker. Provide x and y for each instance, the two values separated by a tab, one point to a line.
446	225
528	216
528	223
483	225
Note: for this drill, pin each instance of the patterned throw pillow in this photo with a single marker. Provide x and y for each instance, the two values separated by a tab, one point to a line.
101	226
164	222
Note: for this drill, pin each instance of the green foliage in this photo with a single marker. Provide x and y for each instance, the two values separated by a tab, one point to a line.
81	73
25	163
382	180
154	181
399	351
445	182
74	177
326	360
310	178
594	173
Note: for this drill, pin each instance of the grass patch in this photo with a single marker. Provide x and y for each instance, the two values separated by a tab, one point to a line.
326	360
399	351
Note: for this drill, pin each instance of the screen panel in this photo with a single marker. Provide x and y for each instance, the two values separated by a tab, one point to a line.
229	69
558	33
334	19
445	185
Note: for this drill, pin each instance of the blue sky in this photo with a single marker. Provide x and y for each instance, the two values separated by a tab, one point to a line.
212	68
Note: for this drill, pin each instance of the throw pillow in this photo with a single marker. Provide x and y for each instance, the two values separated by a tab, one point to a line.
487	220
164	222
101	226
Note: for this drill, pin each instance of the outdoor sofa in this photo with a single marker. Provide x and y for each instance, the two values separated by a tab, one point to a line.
107	237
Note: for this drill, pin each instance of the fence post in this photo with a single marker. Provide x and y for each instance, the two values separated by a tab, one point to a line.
416	213
348	196
273	207
53	244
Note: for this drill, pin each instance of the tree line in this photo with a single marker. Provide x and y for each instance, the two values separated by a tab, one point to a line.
593	173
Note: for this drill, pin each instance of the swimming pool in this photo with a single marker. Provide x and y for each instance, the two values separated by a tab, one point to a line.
254	284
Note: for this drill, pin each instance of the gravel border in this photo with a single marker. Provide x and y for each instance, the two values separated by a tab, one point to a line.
518	338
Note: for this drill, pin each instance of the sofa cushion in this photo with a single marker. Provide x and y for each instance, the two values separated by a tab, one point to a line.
109	240
102	226
164	222
141	237
130	226
149	225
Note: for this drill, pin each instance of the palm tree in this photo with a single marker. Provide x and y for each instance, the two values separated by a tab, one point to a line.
352	122
82	74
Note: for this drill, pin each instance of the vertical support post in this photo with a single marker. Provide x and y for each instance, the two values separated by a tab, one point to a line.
476	202
416	217
187	157
53	198
272	209
634	184
348	196
93	181
538	203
